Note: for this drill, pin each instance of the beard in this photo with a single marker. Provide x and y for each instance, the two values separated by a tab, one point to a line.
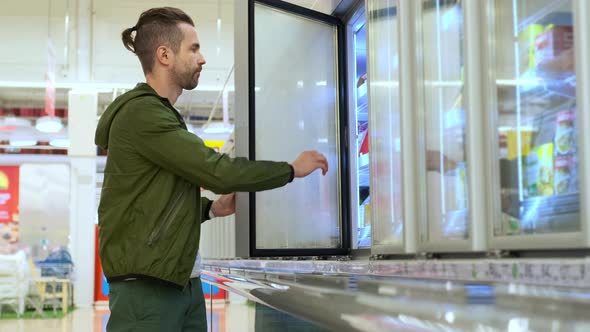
186	77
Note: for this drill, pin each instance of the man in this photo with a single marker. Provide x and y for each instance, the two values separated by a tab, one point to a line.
151	210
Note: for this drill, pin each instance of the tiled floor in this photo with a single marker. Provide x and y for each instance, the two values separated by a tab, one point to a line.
236	316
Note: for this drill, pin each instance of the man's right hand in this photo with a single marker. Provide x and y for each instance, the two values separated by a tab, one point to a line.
309	161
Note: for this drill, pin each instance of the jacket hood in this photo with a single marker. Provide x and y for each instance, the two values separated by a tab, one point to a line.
101	138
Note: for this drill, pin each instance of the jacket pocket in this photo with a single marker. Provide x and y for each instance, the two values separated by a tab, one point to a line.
171	212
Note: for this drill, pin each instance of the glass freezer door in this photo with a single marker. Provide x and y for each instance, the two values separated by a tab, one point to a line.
296	104
384	124
443	122
535	89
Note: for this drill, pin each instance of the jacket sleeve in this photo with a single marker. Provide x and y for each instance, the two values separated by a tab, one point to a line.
205	208
158	136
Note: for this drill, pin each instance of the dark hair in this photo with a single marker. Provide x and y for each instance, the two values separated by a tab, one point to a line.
155	27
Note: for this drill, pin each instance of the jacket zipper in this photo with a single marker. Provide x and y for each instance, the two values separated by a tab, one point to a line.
168	218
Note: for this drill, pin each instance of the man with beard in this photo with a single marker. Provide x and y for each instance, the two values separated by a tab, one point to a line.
151	210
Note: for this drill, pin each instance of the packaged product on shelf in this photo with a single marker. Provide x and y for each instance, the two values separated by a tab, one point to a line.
531	163
551	43
564	132
527	40
566	171
367	216
545	175
563	174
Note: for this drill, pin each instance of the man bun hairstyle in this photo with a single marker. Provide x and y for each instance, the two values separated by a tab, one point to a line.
156	27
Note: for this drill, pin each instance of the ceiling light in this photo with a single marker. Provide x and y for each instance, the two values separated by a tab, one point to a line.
218	128
48	124
60	143
12	121
22	142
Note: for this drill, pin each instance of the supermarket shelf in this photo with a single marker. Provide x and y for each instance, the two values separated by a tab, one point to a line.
362	109
560	213
364	179
362	104
534	81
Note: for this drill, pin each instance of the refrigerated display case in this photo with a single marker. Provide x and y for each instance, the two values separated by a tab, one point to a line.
535	99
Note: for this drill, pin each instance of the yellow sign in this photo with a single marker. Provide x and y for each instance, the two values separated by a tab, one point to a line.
3	181
214	144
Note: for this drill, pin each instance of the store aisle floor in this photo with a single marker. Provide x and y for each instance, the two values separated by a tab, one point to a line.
234	317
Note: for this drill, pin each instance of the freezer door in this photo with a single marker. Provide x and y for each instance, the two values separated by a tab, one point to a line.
443	122
536	127
384	125
297	104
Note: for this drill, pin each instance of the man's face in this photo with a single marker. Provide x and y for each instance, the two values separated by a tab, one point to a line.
189	61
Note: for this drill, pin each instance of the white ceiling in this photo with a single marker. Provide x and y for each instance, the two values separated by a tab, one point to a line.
25	62
23	65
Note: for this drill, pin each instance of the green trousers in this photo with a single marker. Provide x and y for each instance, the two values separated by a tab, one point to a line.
147	306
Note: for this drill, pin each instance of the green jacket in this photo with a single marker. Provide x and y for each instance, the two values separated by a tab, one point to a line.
151	209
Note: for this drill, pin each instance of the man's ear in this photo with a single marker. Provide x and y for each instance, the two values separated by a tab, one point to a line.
164	55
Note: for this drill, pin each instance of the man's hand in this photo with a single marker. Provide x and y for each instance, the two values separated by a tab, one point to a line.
309	161
224	205
433	162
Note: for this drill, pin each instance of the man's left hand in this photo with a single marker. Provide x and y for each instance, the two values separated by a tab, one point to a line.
224	205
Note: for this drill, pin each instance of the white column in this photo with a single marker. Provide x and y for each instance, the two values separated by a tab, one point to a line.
82	109
84	39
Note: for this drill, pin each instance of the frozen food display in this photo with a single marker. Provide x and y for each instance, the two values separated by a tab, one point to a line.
536	96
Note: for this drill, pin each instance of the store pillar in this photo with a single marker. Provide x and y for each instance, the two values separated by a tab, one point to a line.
82	152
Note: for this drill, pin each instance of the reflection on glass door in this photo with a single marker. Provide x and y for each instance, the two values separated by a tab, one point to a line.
444	121
384	119
536	111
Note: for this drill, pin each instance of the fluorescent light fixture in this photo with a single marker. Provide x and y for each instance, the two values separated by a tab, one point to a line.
218	128
60	143
48	124
257	89
450	317
321	83
522	128
12	121
300	84
22	142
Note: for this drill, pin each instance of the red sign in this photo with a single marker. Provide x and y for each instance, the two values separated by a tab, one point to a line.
50	80
9	194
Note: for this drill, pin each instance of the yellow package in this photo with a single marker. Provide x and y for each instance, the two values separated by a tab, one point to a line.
545	178
526	138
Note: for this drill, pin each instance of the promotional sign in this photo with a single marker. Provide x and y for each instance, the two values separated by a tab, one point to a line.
9	194
101	286
50	80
